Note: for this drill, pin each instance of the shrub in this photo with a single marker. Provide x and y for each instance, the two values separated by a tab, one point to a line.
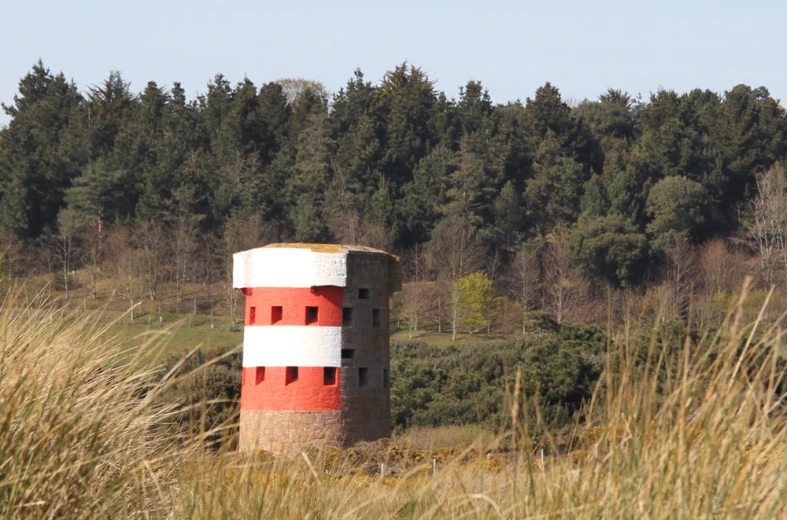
468	383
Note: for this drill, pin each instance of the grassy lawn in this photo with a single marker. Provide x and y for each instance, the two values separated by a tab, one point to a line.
172	340
443	339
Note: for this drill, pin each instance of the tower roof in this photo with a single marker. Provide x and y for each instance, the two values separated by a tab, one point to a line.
326	248
303	265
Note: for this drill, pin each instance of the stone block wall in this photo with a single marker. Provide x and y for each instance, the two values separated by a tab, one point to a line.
290	432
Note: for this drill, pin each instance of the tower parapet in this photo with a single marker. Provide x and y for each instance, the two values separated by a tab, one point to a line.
316	345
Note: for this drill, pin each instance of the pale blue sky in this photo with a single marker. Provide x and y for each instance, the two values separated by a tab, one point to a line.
513	47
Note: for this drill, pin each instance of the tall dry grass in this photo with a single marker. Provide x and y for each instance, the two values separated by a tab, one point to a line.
82	436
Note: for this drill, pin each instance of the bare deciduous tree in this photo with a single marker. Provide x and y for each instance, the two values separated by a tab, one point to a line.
65	244
354	230
768	226
457	252
522	280
92	240
680	273
294	87
12	252
561	284
723	269
152	240
128	265
185	230
418	294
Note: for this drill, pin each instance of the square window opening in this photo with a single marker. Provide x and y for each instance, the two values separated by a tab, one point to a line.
252	315
376	320
363	377
348	353
276	314
292	375
329	376
363	294
347	317
260	375
386	378
311	315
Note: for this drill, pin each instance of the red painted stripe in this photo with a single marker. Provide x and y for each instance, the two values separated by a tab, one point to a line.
273	393
262	305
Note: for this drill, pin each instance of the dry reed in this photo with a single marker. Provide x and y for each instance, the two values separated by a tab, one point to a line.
82	436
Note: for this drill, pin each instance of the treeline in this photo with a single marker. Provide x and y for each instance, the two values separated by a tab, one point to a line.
398	165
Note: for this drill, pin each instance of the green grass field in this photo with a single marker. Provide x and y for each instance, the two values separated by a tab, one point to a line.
174	339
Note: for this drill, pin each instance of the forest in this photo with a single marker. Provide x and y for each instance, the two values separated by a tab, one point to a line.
504	213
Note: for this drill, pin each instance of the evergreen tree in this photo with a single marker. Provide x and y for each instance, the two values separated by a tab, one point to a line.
608	249
594	202
425	197
509	217
108	106
474	107
140	144
407	102
355	174
357	101
41	151
751	134
471	188
552	196
550	118
678	207
274	112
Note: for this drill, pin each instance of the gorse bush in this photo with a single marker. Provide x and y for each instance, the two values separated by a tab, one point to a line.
469	383
84	435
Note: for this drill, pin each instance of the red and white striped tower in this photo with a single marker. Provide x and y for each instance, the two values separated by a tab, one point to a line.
315	346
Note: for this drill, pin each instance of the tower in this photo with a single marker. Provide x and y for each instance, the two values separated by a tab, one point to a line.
315	345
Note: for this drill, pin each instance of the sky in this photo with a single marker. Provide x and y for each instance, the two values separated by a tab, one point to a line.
582	47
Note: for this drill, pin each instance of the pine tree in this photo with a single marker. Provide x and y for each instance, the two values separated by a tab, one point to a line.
509	217
471	188
552	196
108	106
425	197
407	102
41	151
594	202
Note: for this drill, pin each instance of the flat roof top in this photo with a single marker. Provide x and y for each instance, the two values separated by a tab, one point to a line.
327	248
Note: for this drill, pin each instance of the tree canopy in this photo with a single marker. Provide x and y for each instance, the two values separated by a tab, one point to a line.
398	158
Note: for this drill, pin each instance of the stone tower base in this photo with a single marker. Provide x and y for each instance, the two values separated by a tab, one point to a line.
289	432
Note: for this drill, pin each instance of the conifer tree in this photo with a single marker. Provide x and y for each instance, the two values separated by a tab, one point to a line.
41	151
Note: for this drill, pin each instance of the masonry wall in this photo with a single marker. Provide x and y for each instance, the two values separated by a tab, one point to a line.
366	409
289	432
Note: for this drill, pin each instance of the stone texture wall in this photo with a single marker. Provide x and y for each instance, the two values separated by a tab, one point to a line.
289	432
366	409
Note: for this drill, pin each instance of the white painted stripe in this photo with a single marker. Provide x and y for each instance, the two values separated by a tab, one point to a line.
283	267
292	346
